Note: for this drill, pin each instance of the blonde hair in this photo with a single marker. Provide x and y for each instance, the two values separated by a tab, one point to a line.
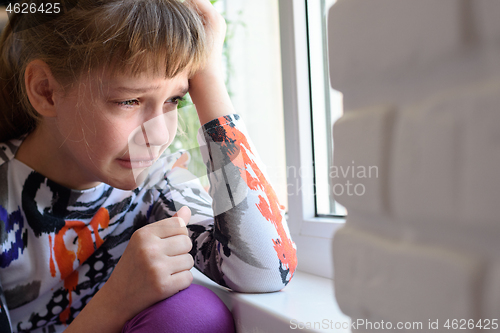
128	36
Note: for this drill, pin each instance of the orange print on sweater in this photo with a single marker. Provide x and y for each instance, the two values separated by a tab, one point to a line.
269	205
86	246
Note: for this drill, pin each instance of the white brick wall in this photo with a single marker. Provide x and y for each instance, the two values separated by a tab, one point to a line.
379	278
421	85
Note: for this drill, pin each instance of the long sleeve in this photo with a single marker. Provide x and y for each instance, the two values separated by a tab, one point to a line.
239	232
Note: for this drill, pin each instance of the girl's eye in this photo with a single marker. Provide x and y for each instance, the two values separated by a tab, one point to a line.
134	102
176	100
130	102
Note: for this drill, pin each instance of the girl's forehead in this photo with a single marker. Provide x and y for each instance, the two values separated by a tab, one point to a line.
106	80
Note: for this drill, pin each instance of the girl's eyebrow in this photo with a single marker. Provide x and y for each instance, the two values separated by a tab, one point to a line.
183	90
136	90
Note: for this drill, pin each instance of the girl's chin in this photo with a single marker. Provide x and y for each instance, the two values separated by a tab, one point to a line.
122	181
129	181
124	186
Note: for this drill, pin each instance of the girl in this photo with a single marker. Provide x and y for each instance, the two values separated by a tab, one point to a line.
92	239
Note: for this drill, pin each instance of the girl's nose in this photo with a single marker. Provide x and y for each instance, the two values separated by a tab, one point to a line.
156	131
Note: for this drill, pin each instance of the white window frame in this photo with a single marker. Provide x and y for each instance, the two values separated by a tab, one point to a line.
313	235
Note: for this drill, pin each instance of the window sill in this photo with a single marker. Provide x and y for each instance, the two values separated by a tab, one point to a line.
307	304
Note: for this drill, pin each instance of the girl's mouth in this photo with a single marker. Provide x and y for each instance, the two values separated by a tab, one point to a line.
136	163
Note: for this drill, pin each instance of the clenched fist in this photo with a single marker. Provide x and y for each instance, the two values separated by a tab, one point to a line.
155	265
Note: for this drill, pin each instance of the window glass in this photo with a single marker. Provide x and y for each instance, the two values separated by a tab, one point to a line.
255	82
326	106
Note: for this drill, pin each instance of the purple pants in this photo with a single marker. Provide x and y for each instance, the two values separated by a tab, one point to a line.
196	309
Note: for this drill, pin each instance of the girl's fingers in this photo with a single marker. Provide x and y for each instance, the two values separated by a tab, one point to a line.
183	262
181	280
177	245
162	229
207	11
184	213
203	6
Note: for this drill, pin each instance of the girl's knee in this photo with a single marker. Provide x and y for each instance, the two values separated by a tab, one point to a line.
195	309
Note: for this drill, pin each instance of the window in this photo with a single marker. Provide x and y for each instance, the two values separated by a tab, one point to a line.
303	49
254	71
326	105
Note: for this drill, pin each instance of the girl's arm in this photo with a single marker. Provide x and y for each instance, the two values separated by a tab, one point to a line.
207	87
98	316
239	232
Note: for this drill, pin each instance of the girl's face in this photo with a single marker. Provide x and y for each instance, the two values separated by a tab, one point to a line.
114	127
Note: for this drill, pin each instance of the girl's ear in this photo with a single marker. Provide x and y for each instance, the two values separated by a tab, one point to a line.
41	87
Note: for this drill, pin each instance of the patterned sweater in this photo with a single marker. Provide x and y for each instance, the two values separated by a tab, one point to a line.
59	246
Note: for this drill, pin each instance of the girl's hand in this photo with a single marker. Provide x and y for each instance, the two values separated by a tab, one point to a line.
215	29
154	266
207	87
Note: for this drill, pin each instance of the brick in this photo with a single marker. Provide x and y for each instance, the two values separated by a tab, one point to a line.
379	278
491	292
360	158
444	158
368	38
397	51
426	178
481	181
485	21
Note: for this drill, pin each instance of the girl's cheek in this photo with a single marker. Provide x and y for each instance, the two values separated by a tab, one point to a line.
171	121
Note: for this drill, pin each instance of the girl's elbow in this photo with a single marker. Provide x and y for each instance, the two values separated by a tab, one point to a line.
264	281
